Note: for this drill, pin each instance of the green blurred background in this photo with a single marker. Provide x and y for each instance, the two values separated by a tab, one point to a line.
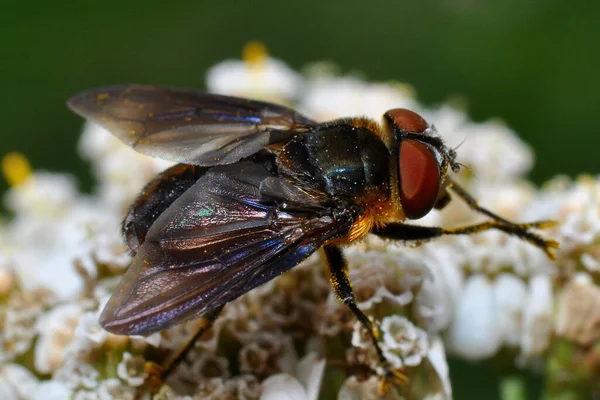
534	64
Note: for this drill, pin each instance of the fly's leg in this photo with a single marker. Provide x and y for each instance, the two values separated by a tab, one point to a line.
157	374
474	205
398	231
338	270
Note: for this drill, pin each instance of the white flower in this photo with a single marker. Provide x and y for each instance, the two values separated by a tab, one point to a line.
112	389
105	247
52	390
18	320
121	171
153	340
44	195
305	385
537	324
258	76
7	392
510	293
76	373
60	239
56	330
440	387
578	316
590	262
576	205
490	150
7	275
582	228
495	152
268	351
510	199
16	382
579	214
492	251
387	275
474	334
403	343
437	300
89	328
132	369
208	365
353	389
49	214
330	97
95	142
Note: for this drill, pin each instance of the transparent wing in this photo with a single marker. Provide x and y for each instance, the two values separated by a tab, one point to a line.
220	239
188	126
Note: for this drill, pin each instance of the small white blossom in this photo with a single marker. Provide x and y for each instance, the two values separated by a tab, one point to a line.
590	262
56	226
490	150
7	392
121	171
403	343
353	389
78	374
510	293
576	205
56	330
441	387
7	276
132	369
113	389
474	334
89	328
437	300
305	385
209	365
537	325
268	352
16	382
578	316
52	390
258	76
153	340
18	321
330	97
391	276
43	195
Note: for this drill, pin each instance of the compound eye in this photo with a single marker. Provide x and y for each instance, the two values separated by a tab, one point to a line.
420	178
406	120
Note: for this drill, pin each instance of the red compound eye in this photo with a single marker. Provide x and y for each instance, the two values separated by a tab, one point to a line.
419	178
406	120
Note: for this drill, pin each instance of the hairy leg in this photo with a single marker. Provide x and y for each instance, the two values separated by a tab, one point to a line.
157	374
338	270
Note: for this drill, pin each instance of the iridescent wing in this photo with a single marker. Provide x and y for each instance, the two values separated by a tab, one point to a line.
188	126
220	239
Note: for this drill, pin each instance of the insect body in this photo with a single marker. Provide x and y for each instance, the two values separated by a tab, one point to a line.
258	189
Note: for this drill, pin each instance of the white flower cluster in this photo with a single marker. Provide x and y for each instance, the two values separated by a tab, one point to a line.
61	255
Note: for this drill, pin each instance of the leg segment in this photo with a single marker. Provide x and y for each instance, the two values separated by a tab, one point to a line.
338	270
157	374
471	202
398	231
414	232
